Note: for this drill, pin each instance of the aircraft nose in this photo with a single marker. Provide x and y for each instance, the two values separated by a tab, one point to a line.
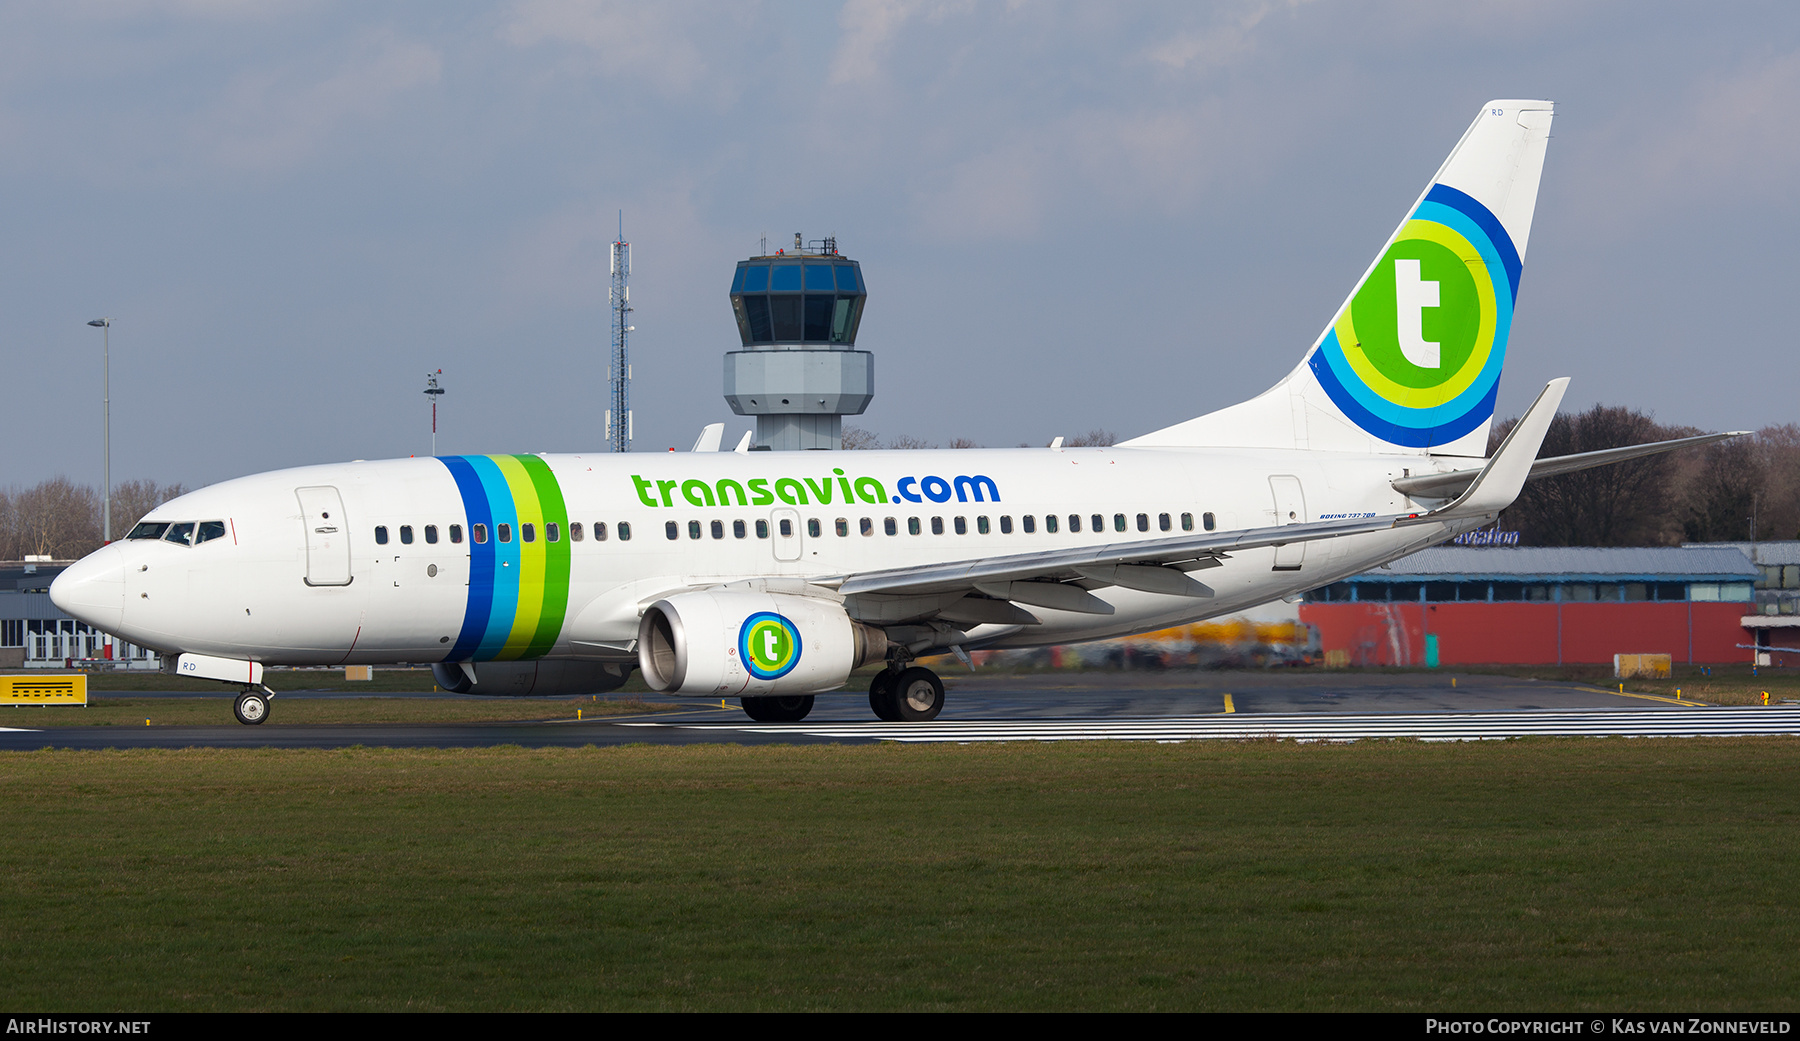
93	588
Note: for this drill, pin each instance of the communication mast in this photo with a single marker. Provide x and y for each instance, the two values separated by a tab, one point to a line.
618	417
433	391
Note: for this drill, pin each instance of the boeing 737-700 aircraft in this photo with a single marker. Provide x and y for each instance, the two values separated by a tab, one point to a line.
770	576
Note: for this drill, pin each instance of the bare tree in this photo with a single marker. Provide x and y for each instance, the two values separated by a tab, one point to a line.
1724	491
1095	438
57	518
856	438
1625	504
907	441
961	442
132	499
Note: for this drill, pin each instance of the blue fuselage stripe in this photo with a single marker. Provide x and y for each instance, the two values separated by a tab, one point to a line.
505	580
481	558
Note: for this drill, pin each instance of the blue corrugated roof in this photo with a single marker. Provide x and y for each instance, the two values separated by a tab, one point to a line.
1570	563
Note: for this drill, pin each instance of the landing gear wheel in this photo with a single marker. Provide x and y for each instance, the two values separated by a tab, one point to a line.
918	695
881	697
791	709
251	707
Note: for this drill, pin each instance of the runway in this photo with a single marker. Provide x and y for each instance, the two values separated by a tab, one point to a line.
1186	706
1446	726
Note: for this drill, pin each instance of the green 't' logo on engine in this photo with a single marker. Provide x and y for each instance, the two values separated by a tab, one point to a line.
768	645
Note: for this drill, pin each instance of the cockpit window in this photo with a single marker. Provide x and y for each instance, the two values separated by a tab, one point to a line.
182	533
208	531
149	530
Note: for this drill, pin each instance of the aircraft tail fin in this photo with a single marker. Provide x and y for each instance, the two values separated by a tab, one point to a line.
1411	361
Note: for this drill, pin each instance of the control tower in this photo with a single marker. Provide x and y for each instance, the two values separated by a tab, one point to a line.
799	373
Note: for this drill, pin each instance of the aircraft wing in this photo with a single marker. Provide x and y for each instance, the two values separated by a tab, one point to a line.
1160	565
1059	578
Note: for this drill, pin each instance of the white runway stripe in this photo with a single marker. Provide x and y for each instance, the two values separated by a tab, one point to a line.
1436	726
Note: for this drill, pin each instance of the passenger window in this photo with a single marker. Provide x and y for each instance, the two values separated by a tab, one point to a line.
624	531
480	532
380	533
600	532
1097	523
1074	522
575	533
762	529
431	534
208	531
1006	525
406	534
1029	523
737	529
1162	522
527	532
551	534
1207	519
1144	522
912	525
962	526
1118	523
504	531
889	526
868	526
787	528
843	528
718	529
981	525
673	530
812	527
456	534
937	525
693	529
1187	522
1049	523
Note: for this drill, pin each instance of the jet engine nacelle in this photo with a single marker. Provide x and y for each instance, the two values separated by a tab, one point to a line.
531	678
737	643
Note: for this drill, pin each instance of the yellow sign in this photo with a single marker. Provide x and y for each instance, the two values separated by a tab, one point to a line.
1641	666
43	690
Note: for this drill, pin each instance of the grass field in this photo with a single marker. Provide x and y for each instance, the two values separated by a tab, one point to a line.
1544	874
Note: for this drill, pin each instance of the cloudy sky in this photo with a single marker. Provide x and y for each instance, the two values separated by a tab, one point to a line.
1069	215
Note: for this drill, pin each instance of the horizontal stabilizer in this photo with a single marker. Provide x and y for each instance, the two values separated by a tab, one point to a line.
1445	485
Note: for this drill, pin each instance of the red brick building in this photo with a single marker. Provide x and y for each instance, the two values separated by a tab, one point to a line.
1541	606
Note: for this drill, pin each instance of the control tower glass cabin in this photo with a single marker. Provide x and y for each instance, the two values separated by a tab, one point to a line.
799	372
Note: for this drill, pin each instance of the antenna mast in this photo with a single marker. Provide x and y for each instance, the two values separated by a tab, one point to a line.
618	417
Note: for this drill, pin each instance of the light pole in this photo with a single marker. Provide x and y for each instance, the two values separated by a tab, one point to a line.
105	325
433	391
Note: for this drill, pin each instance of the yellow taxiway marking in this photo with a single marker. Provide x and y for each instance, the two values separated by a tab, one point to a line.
1229	707
1652	697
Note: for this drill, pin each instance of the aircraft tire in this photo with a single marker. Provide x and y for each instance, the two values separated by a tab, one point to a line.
251	707
918	695
790	709
881	697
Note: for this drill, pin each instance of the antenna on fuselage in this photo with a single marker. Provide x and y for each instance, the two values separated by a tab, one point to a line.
433	391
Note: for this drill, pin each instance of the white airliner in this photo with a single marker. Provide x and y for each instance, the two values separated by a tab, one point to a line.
769	576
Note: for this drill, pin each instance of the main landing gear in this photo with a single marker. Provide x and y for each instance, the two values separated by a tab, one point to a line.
251	707
913	695
790	709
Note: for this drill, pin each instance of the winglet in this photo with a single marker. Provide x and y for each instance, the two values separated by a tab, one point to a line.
1500	481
